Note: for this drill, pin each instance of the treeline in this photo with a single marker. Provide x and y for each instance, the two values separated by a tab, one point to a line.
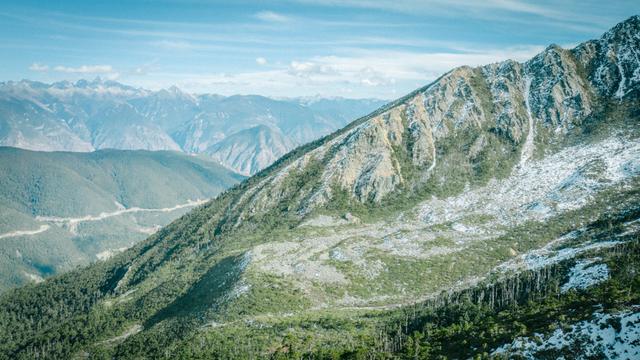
470	323
457	324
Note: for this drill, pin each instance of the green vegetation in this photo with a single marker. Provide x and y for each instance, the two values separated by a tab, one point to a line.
186	308
202	287
459	325
69	185
178	284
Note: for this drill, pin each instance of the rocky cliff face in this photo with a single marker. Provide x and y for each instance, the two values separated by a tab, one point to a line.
509	111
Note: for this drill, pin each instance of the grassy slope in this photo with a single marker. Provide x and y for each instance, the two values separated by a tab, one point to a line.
77	184
457	325
182	276
66	184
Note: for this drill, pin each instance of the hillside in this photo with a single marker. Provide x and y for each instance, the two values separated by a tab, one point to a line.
251	149
60	209
494	207
89	115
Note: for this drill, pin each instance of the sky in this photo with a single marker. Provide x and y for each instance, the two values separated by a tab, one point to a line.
290	48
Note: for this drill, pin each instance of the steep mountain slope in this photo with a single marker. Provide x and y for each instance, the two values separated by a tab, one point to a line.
446	223
89	115
38	130
251	149
120	126
169	109
97	112
294	121
64	209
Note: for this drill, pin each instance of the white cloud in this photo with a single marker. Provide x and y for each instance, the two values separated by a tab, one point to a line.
261	61
39	67
85	69
271	16
422	6
306	69
569	14
383	68
105	71
363	73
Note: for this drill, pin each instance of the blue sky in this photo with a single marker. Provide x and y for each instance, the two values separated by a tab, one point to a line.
350	48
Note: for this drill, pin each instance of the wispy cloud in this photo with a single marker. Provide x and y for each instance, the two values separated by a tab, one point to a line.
440	6
143	69
173	44
379	68
558	14
271	16
306	69
332	47
365	73
85	69
106	70
38	67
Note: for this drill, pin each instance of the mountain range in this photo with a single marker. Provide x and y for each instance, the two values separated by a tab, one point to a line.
491	213
59	210
90	115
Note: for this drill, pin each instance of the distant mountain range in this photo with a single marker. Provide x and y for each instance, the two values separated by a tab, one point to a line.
91	115
61	209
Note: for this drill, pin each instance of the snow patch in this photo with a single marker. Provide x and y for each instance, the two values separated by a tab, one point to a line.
33	277
620	92
543	257
527	148
586	273
544	188
605	336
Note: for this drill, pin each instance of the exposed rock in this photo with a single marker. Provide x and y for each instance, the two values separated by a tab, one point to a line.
469	116
351	218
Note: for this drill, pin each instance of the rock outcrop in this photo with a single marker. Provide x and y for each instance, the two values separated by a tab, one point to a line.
507	112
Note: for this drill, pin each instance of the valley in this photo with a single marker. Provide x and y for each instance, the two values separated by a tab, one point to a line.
61	210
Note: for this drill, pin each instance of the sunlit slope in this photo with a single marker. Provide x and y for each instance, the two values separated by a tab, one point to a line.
490	173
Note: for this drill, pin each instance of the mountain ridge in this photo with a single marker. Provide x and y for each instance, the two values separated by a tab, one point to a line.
490	180
88	115
517	130
252	148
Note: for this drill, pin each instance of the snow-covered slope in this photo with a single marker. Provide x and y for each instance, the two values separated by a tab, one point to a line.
605	336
